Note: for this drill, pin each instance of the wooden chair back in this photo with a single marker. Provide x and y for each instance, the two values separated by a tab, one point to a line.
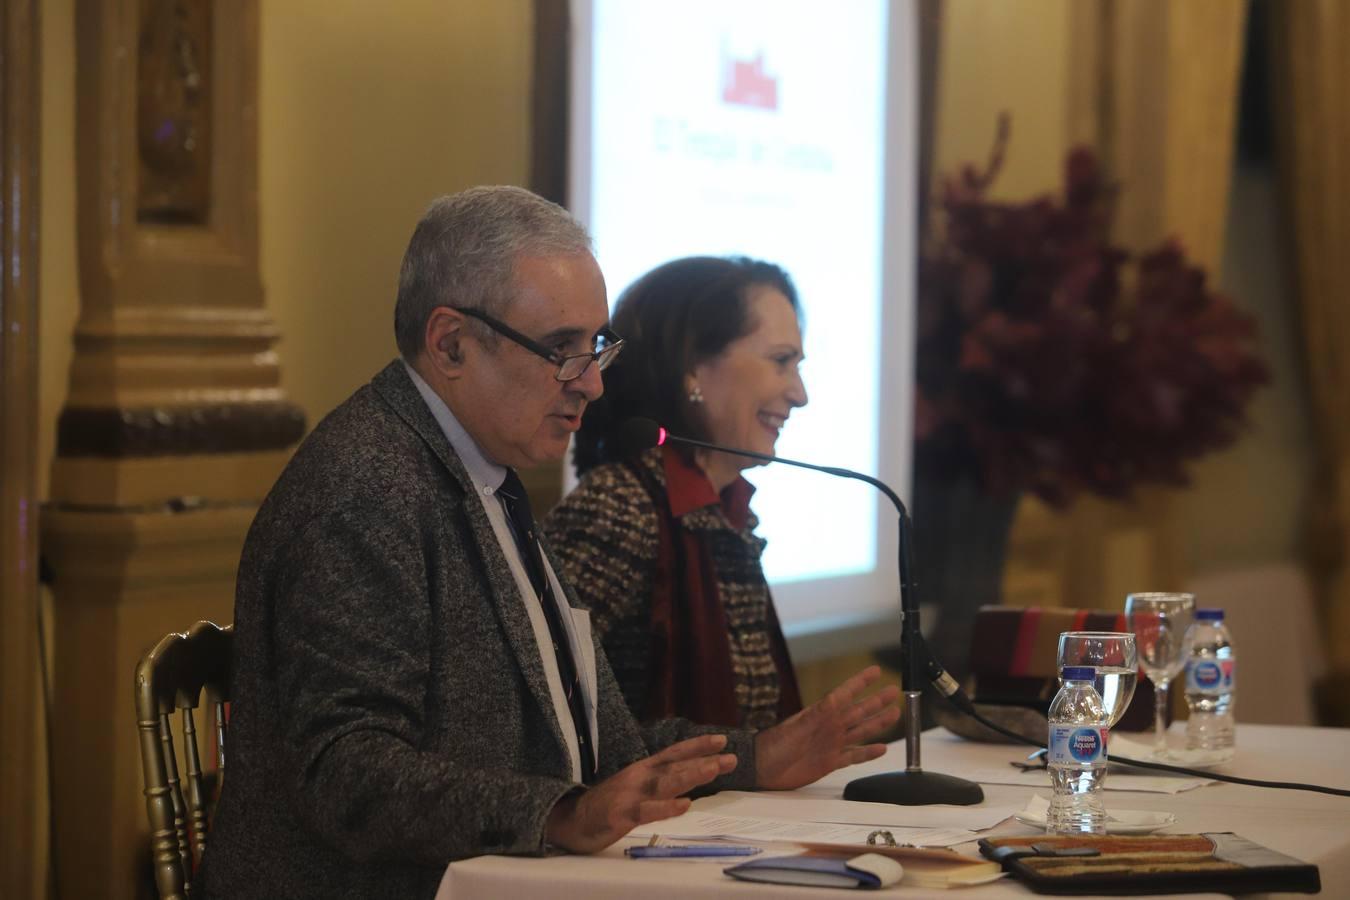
175	675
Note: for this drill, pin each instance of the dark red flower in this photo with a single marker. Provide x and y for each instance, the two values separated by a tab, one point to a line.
1051	361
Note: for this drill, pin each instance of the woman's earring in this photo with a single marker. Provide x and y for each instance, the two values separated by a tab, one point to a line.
696	394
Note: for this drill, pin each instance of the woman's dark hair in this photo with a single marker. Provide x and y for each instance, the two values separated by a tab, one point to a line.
675	317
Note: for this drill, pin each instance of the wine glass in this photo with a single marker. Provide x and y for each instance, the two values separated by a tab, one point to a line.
1113	655
1159	622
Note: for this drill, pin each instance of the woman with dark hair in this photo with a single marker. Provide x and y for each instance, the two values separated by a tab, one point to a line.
660	543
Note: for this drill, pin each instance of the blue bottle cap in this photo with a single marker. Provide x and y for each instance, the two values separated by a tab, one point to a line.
1079	673
1209	615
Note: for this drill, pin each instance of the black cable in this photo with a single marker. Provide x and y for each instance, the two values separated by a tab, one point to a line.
961	703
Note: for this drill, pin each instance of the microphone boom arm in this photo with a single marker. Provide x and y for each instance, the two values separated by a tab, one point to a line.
913	786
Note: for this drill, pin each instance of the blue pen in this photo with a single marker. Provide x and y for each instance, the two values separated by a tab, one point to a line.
690	850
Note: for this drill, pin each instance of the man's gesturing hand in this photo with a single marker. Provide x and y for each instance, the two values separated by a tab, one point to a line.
647	791
827	735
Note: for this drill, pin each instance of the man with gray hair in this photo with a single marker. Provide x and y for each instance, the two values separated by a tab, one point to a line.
412	683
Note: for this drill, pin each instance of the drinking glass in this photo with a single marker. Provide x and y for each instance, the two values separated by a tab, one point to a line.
1159	622
1113	655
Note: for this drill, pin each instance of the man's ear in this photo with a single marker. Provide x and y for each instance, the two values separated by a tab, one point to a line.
443	343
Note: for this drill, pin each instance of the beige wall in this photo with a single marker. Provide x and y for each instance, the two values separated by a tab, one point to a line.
1009	57
366	112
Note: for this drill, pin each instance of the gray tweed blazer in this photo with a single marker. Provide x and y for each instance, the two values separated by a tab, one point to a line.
390	708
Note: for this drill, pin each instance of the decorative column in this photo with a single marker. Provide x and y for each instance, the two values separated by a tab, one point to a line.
175	425
21	870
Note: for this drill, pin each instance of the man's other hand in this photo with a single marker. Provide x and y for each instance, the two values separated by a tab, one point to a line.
827	735
647	791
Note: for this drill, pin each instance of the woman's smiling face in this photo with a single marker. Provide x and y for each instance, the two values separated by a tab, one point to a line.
754	384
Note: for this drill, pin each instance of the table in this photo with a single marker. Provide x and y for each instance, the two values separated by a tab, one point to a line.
1312	827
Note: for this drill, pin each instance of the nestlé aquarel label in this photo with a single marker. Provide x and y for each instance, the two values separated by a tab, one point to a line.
1078	745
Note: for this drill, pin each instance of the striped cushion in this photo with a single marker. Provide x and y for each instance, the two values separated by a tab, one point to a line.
1013	650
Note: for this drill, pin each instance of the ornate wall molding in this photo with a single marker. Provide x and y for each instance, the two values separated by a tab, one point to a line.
224	428
173	112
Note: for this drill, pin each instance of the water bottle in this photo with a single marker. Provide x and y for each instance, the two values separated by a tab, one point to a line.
1077	755
1210	672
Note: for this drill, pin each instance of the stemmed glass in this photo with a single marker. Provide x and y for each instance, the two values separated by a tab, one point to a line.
1159	622
1113	655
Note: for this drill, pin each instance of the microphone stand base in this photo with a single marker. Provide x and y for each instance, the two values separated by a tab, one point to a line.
914	788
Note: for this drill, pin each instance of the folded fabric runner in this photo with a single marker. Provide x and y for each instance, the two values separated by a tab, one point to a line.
1175	863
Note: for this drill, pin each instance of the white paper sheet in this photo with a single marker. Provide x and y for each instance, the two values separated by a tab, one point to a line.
1115	781
795	808
712	826
1176	755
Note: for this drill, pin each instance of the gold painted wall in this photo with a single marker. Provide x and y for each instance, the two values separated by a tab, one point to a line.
369	111
59	305
1005	57
366	113
58	281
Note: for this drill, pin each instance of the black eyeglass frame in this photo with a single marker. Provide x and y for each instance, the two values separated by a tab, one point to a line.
601	358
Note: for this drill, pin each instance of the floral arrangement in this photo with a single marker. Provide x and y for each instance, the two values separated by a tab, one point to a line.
1052	361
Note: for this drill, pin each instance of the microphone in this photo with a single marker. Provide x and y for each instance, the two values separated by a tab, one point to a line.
912	787
639	434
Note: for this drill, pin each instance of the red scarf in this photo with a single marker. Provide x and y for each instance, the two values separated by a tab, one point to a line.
694	677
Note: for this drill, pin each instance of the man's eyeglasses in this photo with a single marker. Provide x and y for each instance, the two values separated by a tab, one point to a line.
570	367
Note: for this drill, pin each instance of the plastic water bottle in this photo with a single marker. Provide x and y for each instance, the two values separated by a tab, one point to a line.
1077	755
1210	684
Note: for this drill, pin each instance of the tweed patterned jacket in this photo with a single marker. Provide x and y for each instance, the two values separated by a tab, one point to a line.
391	712
671	574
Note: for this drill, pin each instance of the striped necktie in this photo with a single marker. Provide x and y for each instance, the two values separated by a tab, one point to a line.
517	504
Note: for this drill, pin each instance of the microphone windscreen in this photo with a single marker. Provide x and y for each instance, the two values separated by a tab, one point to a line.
636	435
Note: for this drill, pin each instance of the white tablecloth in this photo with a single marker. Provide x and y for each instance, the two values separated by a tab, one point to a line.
1312	827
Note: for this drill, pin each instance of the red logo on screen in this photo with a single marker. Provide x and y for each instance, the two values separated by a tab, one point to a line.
745	83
